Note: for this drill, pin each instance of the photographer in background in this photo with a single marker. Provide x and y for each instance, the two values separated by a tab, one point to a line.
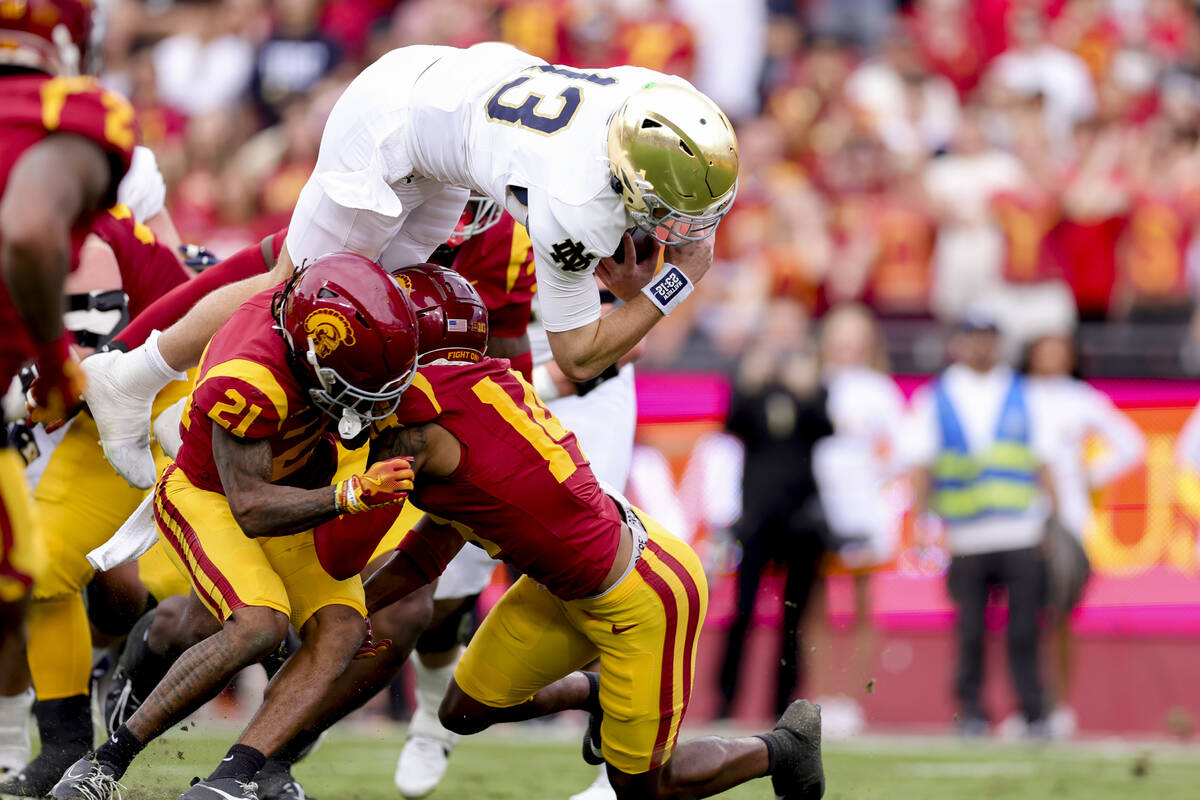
981	470
778	412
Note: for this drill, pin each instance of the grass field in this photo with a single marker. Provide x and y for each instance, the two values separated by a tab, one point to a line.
531	764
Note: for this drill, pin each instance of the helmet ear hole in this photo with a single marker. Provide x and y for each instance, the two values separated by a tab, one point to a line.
649	123
683	146
326	293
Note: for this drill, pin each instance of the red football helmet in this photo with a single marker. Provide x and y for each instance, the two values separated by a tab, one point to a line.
481	213
45	35
451	318
353	332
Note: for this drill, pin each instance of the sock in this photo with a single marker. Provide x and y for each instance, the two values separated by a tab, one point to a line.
14	729
155	361
592	704
65	727
170	308
60	647
770	743
431	687
119	751
241	763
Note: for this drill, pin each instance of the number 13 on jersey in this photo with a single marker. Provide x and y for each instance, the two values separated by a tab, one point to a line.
503	106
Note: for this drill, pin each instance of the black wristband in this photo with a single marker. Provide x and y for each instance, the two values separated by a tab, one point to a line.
583	387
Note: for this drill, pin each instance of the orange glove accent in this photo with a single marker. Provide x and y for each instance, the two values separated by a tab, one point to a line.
382	484
371	646
56	393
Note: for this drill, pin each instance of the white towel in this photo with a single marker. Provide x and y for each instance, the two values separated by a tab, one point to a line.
131	541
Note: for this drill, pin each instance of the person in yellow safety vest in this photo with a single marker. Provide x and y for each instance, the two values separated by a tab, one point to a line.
979	479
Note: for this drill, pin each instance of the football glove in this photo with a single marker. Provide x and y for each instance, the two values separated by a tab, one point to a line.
57	391
383	484
371	646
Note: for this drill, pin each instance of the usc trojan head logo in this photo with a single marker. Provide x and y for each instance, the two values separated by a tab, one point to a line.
329	330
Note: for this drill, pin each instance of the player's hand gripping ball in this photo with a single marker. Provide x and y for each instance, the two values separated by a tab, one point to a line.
643	246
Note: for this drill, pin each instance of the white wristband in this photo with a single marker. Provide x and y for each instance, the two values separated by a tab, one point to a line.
668	288
544	384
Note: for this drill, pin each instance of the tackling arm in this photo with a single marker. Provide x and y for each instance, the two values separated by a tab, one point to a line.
260	507
50	186
421	557
263	508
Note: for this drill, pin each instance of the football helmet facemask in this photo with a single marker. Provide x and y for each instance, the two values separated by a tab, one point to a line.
353	334
480	214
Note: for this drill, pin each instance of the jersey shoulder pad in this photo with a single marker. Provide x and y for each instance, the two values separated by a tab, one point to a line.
244	397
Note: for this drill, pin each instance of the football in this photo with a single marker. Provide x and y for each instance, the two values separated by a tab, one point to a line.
643	245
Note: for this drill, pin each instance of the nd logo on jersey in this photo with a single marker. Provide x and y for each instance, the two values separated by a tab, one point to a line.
329	330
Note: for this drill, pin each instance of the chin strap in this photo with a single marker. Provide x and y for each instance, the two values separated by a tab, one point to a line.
351	424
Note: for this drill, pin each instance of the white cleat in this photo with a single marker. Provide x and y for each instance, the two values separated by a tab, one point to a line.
120	394
14	733
421	766
600	789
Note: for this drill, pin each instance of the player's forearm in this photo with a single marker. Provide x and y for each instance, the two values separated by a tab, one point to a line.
268	509
34	269
585	352
395	580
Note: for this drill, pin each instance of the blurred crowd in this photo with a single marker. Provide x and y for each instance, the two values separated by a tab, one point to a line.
1037	156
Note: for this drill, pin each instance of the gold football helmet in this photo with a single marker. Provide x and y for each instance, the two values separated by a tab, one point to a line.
674	160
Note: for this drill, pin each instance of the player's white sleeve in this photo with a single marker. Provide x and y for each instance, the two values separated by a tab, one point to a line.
567	293
1127	443
1187	447
143	188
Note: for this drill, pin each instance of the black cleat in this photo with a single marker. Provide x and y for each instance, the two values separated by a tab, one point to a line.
798	773
138	671
275	782
87	779
221	789
592	752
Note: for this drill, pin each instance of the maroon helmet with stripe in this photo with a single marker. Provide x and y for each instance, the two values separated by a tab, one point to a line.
451	318
45	35
353	333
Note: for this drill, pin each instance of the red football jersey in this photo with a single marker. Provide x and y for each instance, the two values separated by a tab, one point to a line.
32	107
523	489
1026	218
148	268
246	386
499	264
1153	258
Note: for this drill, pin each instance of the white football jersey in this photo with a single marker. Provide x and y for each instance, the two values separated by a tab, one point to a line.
425	123
533	137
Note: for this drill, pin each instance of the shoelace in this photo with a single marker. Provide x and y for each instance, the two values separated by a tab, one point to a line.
118	716
250	788
99	785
